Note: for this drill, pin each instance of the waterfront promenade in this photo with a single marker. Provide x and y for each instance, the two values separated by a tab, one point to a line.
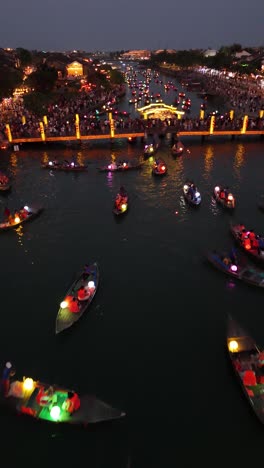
209	127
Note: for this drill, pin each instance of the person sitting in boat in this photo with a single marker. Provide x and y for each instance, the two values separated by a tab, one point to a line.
46	397
222	194
83	294
8	372
23	212
72	403
118	201
255	244
246	243
191	192
243	235
74	306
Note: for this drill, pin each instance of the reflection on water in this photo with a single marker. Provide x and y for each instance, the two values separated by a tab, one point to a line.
45	158
20	233
13	163
208	161
239	160
80	158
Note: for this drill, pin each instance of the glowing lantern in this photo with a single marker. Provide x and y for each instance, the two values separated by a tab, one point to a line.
151	149
64	304
185	187
233	268
233	346
91	284
55	413
26	208
17	219
110	166
28	384
72	164
50	163
124	164
230	197
123	206
163	168
198	194
217	189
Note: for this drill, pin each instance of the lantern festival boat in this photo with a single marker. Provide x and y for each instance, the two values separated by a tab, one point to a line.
151	149
121	203
224	197
249	242
236	268
78	297
53	403
159	168
248	363
177	149
191	193
122	166
27	213
65	166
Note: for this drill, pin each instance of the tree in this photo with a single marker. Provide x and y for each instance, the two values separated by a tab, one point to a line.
24	57
10	79
37	103
43	79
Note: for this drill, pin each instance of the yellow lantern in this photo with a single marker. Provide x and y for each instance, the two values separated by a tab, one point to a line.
28	384
233	346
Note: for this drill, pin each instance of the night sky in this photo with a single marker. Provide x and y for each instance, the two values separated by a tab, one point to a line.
137	24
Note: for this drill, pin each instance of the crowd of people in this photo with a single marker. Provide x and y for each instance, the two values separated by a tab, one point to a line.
244	96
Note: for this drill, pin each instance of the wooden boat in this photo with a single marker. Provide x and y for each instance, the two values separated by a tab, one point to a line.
18	218
151	149
257	253
65	166
4	183
159	168
121	203
177	149
120	167
227	202
55	404
247	361
88	281
239	269
191	193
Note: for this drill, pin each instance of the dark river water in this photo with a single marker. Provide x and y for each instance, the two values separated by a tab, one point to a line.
153	342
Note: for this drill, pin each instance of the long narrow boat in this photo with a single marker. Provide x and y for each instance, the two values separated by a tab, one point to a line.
248	363
238	269
121	203
257	253
159	168
66	166
228	201
55	404
121	167
27	214
78	297
191	194
177	149
151	149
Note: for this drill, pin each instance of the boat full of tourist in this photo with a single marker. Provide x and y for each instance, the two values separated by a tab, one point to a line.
237	267
151	149
78	297
177	149
247	360
191	193
52	403
26	213
122	166
121	203
65	166
224	197
249	241
159	168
